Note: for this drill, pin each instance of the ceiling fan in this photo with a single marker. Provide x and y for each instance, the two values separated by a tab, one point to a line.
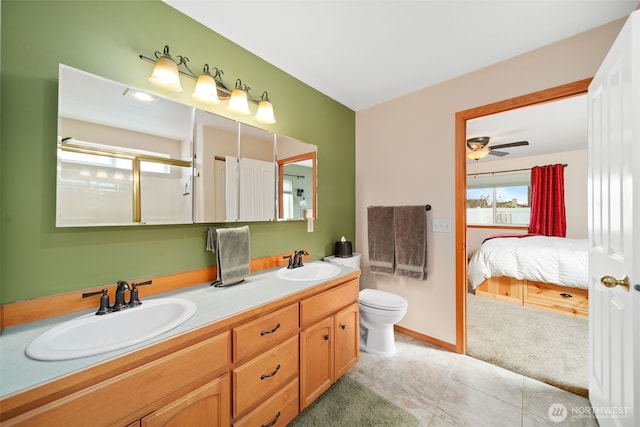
479	148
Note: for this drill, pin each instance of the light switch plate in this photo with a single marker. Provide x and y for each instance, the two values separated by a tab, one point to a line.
441	226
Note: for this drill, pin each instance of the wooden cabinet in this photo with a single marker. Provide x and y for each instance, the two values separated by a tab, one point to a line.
205	406
128	397
316	361
347	339
329	345
265	376
257	367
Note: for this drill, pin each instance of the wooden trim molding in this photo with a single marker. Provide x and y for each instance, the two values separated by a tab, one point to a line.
559	92
20	312
425	338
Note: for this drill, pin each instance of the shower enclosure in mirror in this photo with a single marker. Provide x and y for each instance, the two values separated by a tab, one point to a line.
122	159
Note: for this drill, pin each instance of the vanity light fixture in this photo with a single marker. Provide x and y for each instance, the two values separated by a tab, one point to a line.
165	71
265	110
209	88
206	88
239	102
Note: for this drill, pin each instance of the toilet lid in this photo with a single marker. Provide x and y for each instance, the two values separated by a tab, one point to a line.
380	299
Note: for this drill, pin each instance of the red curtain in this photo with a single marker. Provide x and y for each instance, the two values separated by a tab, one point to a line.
548	216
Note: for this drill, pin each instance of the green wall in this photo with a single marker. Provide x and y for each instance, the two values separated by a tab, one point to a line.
105	38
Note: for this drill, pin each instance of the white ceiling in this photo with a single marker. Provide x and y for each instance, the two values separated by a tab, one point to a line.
550	128
362	53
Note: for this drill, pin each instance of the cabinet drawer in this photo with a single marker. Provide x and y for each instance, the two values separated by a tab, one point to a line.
260	378
560	298
264	332
278	411
118	400
322	305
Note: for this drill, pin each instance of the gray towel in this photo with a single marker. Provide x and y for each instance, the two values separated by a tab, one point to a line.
410	230
233	254
381	239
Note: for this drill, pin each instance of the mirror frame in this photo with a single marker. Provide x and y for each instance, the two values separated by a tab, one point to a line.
312	155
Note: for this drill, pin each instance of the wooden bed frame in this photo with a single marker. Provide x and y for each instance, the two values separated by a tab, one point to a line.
558	298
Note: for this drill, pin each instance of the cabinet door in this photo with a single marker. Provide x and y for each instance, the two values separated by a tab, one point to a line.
347	339
208	405
316	361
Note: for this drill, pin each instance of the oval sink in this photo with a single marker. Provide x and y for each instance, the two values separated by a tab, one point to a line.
312	271
90	334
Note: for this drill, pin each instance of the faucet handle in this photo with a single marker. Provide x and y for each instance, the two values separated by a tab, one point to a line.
104	300
291	260
134	300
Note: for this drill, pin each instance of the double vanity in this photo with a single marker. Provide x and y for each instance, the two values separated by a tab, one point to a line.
256	353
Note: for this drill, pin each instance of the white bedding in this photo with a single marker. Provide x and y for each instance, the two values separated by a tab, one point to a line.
555	260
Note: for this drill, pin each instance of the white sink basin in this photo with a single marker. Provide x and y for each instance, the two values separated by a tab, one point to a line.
91	334
312	271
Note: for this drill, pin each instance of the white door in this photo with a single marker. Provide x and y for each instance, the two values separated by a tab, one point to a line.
614	232
257	190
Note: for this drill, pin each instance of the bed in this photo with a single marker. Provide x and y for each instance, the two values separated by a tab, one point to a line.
533	270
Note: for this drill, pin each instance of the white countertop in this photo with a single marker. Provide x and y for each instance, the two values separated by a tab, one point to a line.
18	372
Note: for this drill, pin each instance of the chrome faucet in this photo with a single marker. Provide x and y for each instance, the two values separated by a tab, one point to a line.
119	304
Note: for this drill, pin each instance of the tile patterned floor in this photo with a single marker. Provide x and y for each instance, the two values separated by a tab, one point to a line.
441	388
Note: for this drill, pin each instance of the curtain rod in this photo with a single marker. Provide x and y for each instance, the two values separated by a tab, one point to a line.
564	165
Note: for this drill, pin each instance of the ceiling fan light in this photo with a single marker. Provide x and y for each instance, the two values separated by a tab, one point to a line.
478	142
478	154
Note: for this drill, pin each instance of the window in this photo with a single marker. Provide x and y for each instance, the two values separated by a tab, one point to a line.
499	200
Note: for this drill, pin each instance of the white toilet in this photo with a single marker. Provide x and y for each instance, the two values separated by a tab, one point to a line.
379	311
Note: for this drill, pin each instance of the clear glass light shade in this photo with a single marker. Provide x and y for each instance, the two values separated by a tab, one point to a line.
238	102
265	113
206	90
165	74
478	154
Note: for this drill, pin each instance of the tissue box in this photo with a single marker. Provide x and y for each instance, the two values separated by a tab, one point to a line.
343	250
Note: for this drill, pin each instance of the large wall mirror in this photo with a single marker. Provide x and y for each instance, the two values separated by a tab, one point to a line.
122	160
129	157
297	173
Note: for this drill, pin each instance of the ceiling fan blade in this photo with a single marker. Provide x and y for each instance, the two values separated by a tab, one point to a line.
498	153
510	144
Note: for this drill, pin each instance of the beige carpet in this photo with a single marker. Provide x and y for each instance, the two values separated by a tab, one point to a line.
347	403
541	344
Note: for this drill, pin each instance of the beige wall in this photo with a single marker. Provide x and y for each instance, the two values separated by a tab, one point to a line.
405	155
575	191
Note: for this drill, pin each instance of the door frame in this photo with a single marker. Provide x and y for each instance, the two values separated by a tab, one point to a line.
559	92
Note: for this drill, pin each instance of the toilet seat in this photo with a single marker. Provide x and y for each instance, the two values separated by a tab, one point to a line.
381	300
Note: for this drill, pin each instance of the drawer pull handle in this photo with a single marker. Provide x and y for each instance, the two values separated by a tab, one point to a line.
272	422
326	337
263	333
343	326
565	295
263	376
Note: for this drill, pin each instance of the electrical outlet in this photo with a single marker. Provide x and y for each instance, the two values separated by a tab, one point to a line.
309	225
441	226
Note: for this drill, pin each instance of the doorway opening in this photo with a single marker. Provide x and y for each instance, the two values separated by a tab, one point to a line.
553	94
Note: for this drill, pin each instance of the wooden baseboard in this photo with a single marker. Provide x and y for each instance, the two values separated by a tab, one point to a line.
425	338
20	312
